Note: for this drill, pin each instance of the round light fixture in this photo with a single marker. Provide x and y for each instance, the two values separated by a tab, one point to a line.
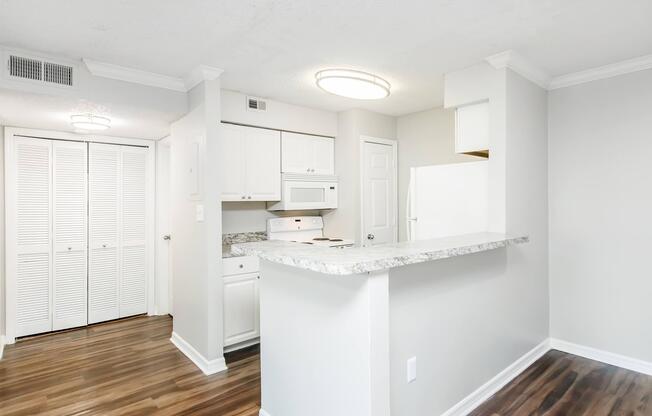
90	122
352	84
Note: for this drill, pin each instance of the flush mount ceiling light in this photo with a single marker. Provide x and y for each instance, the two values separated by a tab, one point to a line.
90	122
352	84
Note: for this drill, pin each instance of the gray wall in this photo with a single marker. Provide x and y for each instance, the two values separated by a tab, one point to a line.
600	205
344	222
468	318
424	138
197	264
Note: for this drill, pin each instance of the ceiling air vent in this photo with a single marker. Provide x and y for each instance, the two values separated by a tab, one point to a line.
256	104
27	68
57	74
39	70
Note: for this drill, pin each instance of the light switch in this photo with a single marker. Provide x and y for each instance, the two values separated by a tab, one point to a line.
199	213
411	369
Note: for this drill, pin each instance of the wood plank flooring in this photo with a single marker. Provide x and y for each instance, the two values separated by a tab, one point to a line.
122	368
561	384
130	368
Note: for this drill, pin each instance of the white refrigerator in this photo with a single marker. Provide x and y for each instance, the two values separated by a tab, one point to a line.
446	200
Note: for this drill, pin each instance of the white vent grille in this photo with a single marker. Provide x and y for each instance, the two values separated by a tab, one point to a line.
25	68
256	104
39	70
57	74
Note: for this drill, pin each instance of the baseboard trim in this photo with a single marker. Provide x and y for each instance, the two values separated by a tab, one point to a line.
606	357
261	412
491	387
2	346
208	367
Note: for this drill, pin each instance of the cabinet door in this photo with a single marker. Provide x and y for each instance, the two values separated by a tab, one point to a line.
232	163
104	210
323	156
241	311
296	153
133	253
472	128
262	165
69	217
30	221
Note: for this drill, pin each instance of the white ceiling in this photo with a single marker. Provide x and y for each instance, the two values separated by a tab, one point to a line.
272	48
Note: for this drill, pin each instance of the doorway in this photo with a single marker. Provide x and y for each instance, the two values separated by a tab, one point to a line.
378	162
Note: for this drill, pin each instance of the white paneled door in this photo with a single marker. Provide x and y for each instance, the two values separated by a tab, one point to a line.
30	256
77	227
70	230
117	231
379	193
133	254
104	215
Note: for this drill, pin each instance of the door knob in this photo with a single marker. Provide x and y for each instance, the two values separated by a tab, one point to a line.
370	236
167	237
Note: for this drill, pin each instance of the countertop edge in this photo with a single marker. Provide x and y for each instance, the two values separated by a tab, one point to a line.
373	265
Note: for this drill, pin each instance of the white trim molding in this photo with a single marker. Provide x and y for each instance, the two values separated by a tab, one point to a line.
512	60
201	73
606	357
491	387
151	79
606	71
208	367
136	76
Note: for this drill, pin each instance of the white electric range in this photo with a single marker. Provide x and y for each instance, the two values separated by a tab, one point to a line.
305	230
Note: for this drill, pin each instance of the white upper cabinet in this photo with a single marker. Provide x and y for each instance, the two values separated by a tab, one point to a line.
305	154
472	128
250	164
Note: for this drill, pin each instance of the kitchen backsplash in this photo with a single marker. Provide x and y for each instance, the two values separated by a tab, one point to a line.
235	238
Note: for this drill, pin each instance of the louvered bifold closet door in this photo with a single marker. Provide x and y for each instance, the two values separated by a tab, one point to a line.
133	256
103	231
33	249
69	282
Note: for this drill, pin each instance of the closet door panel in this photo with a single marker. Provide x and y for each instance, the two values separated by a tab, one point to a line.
33	250
133	256
70	228
104	216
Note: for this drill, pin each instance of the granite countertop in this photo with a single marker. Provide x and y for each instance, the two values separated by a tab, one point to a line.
234	238
355	260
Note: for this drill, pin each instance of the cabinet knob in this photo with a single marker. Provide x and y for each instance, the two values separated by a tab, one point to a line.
243	197
69	248
308	170
241	266
249	197
103	245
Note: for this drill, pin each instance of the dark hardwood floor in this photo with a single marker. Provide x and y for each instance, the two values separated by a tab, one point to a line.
130	368
561	384
122	368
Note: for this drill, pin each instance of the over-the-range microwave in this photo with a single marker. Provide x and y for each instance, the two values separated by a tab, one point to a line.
306	192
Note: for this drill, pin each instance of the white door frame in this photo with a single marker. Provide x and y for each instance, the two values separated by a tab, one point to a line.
163	247
10	213
394	144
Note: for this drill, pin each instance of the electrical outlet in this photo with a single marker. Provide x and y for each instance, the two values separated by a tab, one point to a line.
411	369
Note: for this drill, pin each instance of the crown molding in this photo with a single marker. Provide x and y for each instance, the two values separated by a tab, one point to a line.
201	73
606	71
136	76
512	60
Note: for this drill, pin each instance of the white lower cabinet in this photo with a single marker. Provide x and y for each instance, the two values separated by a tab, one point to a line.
241	307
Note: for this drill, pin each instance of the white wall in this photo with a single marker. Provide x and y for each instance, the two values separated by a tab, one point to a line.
424	138
196	244
278	115
468	318
600	205
344	222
